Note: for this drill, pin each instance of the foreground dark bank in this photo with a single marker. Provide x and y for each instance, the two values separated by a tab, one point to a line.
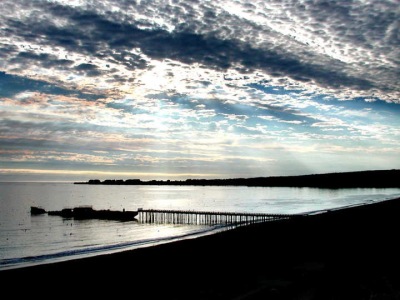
360	179
351	253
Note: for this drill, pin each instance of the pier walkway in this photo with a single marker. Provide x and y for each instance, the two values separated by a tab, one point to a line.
206	218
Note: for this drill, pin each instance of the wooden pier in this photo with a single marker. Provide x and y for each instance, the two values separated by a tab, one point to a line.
206	218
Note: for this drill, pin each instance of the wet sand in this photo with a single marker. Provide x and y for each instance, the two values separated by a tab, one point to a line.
351	253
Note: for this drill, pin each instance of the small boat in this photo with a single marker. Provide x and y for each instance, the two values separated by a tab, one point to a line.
35	210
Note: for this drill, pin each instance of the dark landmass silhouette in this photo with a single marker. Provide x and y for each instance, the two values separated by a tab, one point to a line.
343	254
359	179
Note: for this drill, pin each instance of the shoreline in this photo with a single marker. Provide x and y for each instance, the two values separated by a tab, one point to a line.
349	253
114	249
357	179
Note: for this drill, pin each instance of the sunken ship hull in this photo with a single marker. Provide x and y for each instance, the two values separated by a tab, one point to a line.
87	212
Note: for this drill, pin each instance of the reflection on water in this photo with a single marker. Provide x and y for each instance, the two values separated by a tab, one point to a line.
26	240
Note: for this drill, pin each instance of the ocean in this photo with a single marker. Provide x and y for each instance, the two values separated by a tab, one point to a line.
29	240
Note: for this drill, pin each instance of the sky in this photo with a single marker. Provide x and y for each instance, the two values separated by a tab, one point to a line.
124	89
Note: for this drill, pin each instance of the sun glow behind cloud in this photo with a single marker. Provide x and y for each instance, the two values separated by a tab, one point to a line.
208	89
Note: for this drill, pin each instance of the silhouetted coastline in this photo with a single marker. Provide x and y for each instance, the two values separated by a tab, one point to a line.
350	253
360	179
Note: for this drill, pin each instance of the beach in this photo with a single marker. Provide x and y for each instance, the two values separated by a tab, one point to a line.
349	253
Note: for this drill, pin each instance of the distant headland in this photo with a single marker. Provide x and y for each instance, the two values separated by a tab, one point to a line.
359	179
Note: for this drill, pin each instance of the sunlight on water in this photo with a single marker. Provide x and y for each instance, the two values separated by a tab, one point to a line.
26	239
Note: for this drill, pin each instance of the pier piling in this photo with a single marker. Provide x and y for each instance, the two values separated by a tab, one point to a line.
205	218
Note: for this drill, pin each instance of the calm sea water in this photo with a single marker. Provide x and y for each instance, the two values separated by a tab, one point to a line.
28	240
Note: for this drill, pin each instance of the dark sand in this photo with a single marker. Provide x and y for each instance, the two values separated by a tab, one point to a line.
345	254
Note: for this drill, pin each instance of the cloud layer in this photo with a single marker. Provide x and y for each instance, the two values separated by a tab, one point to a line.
226	88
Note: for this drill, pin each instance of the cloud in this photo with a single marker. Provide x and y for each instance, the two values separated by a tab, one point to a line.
13	85
341	28
197	86
88	70
44	59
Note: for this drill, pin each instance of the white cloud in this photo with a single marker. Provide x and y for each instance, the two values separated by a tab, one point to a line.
197	81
